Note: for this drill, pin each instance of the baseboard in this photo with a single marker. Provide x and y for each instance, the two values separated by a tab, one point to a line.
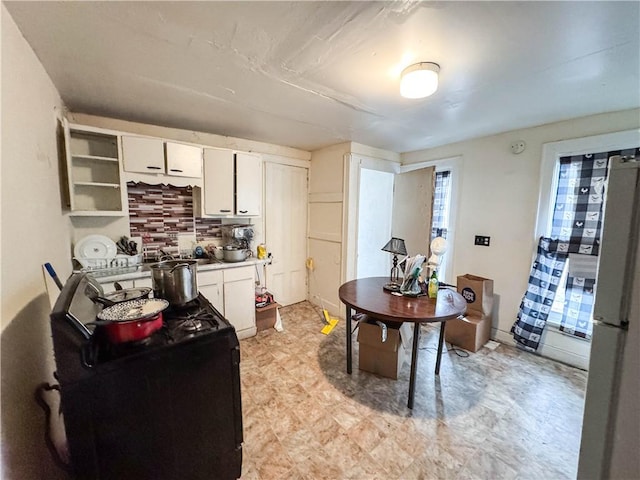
247	332
555	346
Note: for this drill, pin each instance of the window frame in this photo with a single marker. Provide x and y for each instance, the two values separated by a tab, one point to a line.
549	172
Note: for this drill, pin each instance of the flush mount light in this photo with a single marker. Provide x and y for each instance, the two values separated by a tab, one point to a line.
419	80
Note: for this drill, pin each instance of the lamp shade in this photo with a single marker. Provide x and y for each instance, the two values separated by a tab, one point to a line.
419	80
395	246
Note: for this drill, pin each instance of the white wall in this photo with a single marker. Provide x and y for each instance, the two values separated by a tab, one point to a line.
498	198
333	193
34	231
326	202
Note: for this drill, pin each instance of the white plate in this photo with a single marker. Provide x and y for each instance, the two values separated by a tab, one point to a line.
95	246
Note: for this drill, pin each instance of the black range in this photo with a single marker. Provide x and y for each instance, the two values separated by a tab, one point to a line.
166	407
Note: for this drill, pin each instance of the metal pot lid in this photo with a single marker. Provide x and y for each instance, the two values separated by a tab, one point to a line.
134	310
127	294
170	264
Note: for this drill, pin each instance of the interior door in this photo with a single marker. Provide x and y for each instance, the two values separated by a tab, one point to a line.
286	231
412	208
375	202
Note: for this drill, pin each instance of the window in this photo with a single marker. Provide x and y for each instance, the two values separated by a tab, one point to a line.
577	224
573	184
441	214
441	204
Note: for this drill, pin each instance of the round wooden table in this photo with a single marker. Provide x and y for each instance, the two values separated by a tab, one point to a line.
366	295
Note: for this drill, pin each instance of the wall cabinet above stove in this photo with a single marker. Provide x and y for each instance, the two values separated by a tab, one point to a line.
93	172
232	183
155	156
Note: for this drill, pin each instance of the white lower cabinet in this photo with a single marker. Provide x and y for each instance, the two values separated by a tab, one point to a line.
232	292
143	282
210	285
111	286
135	283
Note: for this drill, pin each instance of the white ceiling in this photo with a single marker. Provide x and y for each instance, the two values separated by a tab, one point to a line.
311	74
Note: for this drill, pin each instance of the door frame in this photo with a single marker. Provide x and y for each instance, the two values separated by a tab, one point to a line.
353	164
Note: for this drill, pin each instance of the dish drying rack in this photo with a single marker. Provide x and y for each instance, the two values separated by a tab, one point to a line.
111	266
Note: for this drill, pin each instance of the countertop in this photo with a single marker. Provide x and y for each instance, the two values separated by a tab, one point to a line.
144	271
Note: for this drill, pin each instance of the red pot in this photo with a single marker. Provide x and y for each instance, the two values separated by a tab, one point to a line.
133	320
132	330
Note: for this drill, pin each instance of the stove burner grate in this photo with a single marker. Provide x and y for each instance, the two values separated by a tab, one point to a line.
194	321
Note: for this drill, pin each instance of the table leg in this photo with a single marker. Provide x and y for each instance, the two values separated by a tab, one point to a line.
440	344
347	322
414	364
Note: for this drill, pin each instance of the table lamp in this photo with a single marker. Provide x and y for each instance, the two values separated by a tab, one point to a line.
395	246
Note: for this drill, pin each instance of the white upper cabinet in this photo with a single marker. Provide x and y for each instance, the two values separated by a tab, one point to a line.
248	184
232	184
153	155
142	155
184	160
218	182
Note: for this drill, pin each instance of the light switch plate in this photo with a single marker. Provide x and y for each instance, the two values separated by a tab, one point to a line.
482	240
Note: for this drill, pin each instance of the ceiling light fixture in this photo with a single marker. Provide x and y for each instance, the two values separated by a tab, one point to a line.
419	80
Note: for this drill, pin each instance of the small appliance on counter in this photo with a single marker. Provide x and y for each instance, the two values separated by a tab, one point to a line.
239	236
164	406
237	242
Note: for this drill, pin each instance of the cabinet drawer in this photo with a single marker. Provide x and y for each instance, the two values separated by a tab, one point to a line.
240	273
143	282
210	277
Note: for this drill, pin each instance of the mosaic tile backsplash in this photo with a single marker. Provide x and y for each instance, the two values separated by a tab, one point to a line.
158	213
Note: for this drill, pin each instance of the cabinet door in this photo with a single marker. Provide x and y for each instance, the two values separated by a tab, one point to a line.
210	285
218	182
213	293
248	184
239	306
144	155
143	282
184	160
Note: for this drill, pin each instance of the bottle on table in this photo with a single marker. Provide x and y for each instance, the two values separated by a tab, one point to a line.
433	284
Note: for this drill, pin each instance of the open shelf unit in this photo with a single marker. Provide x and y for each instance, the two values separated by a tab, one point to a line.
94	175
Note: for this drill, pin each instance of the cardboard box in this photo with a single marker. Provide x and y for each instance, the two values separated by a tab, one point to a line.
477	291
266	316
384	359
470	333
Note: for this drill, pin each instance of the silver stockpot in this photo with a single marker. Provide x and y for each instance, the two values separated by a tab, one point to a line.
175	281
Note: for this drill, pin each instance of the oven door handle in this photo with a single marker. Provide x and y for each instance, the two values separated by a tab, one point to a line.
78	326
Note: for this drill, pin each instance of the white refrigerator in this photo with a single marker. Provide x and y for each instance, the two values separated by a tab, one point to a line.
611	428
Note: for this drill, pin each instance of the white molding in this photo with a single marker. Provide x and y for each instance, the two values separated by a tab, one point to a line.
440	164
350	215
377	164
282	160
373	152
551	352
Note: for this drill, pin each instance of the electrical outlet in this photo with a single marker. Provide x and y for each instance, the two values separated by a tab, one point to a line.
482	240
